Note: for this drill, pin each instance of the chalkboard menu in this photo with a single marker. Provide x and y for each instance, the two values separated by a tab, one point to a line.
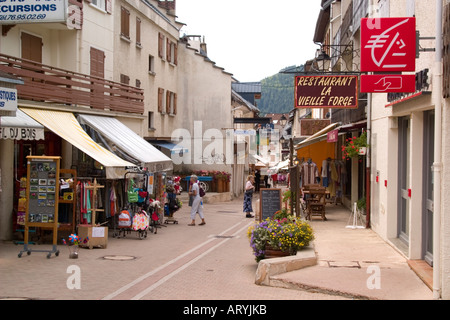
270	202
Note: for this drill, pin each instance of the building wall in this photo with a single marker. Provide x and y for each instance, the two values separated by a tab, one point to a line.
385	153
204	104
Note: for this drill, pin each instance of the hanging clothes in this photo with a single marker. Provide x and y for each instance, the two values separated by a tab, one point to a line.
309	173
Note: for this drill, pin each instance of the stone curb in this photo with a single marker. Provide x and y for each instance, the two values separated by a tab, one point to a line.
268	268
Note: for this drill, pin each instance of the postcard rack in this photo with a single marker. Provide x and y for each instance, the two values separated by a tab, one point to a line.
42	199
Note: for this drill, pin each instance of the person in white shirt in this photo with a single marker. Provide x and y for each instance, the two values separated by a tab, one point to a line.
248	195
197	205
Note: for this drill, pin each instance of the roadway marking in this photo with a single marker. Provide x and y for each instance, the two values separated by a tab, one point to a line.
153	279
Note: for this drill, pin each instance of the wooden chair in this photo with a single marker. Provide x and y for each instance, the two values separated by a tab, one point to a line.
315	201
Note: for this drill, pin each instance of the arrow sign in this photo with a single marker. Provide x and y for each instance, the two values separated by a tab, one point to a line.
388	83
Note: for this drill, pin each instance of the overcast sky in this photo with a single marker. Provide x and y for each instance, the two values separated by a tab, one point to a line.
253	39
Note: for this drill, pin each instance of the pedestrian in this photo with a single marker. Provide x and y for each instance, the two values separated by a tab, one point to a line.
197	202
257	179
248	195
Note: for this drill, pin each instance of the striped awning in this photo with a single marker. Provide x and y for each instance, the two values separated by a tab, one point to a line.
65	125
119	136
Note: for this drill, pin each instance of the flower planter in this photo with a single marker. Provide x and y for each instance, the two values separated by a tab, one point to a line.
362	151
275	253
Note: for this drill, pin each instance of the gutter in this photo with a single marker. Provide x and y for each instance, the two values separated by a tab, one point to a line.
437	165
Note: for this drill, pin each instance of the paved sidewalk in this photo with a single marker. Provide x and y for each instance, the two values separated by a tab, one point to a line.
354	263
350	263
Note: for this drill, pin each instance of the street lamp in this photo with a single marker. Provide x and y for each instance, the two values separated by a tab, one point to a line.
283	120
322	60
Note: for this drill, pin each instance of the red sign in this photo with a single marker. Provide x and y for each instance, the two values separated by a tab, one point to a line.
388	83
326	92
388	44
332	136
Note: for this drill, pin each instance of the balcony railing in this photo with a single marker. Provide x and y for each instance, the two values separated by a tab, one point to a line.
54	85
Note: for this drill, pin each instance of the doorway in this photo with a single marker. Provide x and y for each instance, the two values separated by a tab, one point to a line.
428	183
404	136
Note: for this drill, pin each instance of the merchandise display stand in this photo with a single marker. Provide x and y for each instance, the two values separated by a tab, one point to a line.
97	236
42	194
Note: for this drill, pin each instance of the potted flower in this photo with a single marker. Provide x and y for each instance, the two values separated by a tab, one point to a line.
73	245
355	146
282	233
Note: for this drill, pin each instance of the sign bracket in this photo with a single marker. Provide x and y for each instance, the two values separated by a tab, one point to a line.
419	49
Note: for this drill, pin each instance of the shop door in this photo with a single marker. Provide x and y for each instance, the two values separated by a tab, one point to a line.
403	170
428	204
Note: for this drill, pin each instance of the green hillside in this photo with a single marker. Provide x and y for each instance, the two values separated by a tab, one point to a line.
277	92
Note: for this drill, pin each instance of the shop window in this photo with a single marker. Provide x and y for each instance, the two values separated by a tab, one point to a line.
151	121
151	65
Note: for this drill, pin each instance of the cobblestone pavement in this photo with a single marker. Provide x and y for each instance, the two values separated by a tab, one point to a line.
210	262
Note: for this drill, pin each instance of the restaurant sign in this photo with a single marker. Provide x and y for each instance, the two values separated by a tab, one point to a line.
326	92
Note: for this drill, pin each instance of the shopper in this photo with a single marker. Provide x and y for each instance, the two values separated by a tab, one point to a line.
257	179
248	195
197	203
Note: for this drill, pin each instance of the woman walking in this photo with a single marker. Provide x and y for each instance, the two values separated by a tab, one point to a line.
248	195
197	205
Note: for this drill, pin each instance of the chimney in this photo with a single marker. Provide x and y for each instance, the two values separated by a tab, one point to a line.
203	47
167	4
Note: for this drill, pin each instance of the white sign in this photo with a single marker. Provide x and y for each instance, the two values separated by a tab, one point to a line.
249	132
31	11
98	232
8	99
17	133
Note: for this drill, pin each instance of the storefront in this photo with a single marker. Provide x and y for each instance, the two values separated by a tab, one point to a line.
105	158
321	161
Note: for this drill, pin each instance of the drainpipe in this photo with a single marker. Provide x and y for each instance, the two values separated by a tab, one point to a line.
437	165
368	159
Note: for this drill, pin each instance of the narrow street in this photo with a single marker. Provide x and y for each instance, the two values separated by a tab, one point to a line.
179	262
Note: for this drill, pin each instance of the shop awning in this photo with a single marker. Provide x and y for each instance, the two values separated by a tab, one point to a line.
119	136
65	125
282	165
318	136
172	147
20	127
256	159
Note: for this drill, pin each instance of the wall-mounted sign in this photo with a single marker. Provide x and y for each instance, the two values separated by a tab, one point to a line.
8	101
31	11
388	83
388	44
332	136
326	92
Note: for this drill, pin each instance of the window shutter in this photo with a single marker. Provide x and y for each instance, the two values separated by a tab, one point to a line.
160	99
174	103
125	23
161	45
168	102
108	6
168	53
138	31
175	54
